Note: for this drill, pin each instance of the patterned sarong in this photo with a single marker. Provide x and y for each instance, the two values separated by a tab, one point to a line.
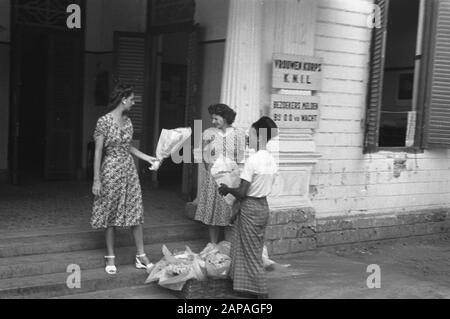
247	269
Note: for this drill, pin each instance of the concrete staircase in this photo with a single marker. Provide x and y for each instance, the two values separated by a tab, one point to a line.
34	264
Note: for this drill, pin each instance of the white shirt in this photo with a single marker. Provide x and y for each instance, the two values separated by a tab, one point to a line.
260	171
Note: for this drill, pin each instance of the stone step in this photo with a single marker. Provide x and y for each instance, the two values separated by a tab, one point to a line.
92	280
149	291
33	265
47	242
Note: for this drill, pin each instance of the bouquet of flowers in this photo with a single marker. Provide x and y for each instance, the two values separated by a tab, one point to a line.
170	141
226	171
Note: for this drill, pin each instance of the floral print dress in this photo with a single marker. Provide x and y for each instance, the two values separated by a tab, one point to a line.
212	208
120	199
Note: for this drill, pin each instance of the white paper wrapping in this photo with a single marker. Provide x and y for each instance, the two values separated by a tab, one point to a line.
226	171
170	141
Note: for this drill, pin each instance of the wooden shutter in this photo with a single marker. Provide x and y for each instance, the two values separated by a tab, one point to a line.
130	69
375	87
437	113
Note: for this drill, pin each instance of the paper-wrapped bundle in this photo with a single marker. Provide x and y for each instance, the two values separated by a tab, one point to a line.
218	265
217	259
174	270
226	171
170	141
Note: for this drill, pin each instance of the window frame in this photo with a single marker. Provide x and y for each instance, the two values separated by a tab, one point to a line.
423	86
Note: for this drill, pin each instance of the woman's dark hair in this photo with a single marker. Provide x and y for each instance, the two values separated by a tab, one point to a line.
268	127
224	111
119	92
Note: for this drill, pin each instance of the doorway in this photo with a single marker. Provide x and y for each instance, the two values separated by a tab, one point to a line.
171	101
32	110
47	104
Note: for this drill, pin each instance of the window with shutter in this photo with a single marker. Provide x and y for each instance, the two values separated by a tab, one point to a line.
130	69
398	75
437	114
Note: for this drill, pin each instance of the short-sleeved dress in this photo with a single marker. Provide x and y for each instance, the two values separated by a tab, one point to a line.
212	208
120	200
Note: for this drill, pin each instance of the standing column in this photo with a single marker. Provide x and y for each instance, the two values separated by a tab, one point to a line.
289	28
243	52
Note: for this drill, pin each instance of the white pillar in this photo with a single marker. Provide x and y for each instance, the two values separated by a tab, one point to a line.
243	51
289	27
256	30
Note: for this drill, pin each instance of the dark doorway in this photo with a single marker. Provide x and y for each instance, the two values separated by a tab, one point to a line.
173	101
47	104
32	110
173	88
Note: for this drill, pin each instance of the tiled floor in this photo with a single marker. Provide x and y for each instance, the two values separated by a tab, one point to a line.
68	204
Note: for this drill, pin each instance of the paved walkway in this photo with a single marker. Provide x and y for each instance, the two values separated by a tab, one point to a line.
408	270
418	269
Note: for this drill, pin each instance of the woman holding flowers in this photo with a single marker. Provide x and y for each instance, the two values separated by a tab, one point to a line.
228	141
118	198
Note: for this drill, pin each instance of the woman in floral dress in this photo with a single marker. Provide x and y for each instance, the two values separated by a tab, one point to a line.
229	141
118	197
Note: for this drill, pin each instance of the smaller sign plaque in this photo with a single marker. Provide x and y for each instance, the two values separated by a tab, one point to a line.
293	111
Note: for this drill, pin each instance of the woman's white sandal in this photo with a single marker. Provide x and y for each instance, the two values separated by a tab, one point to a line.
111	269
140	265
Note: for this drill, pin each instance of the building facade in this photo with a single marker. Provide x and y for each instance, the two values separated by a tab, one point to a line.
370	162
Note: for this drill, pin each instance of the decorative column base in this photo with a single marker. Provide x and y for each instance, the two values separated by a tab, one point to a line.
295	153
292	223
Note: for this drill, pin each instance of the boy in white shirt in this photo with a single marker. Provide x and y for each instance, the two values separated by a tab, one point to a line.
257	177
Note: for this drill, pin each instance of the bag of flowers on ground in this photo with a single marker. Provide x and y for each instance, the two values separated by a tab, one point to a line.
173	270
217	259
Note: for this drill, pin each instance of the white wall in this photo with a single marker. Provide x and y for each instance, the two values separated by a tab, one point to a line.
212	15
5	36
346	181
106	16
103	18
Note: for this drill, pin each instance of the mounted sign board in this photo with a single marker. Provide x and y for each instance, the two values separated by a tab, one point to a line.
296	72
295	111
